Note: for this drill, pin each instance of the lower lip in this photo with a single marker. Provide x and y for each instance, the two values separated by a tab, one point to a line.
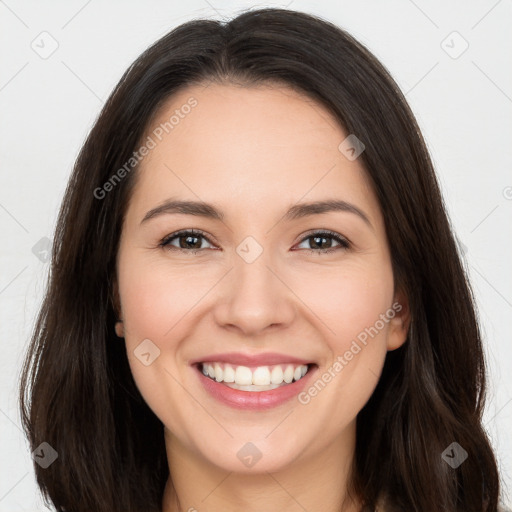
254	400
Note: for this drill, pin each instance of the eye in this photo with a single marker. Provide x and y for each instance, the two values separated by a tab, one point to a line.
320	237
188	241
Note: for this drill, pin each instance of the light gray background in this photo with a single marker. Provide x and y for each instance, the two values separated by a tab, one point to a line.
463	104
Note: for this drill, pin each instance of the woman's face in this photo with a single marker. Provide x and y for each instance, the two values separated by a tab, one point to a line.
256	291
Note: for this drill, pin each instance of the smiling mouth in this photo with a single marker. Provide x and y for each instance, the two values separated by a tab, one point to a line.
260	378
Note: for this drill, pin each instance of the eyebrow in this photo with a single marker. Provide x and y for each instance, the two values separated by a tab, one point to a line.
297	211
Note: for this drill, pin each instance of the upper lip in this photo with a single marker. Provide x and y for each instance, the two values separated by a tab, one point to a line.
240	359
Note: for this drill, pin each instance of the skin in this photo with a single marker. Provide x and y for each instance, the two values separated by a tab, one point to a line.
254	152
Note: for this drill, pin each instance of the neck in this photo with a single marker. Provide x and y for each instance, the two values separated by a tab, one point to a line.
317	482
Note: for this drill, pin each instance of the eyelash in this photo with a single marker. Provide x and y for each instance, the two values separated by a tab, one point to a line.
344	243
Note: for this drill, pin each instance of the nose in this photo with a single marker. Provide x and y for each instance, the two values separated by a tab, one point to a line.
255	298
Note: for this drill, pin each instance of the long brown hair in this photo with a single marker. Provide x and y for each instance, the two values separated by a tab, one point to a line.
77	392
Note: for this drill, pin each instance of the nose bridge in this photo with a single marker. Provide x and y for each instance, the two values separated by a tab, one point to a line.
254	296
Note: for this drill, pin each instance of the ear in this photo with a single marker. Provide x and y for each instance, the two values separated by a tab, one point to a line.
116	305
400	319
119	329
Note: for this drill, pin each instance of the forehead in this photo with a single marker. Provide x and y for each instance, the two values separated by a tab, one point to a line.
247	117
246	147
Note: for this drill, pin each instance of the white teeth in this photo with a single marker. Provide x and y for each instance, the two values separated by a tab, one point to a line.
288	374
243	375
277	375
261	378
229	374
218	372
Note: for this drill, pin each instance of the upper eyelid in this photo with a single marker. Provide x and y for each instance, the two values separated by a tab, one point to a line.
304	236
192	231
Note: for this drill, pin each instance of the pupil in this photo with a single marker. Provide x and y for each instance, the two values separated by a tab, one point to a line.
318	238
187	241
189	238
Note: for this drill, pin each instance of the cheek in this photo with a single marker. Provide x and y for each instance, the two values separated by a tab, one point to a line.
151	305
341	302
349	301
351	304
154	306
154	298
351	309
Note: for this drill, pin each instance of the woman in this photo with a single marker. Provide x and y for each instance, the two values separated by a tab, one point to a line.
256	300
